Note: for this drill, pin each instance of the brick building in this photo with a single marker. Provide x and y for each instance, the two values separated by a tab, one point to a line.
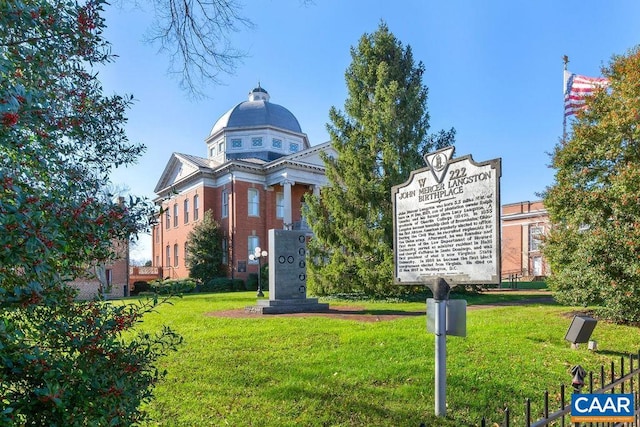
523	225
112	278
258	168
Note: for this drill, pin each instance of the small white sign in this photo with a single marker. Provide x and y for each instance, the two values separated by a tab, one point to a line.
447	222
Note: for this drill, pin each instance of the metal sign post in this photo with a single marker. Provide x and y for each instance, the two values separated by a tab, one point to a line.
441	291
446	230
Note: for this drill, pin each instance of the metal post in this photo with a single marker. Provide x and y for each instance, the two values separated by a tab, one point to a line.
260	294
258	254
441	357
441	291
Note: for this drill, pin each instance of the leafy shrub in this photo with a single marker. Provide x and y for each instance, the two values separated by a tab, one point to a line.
139	287
173	286
264	275
219	284
97	362
63	362
252	282
239	285
222	284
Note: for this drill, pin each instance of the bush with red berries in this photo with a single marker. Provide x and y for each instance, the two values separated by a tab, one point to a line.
65	362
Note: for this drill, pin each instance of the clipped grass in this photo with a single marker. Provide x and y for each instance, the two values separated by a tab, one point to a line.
319	371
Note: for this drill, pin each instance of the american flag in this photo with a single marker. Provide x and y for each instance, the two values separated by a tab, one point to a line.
577	88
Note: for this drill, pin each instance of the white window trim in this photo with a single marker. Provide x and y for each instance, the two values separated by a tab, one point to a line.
280	205
250	203
225	204
251	248
535	231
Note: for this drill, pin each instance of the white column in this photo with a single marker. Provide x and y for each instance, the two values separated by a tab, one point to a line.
287	221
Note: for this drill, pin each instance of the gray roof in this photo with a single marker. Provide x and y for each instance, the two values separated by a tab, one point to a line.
201	162
258	113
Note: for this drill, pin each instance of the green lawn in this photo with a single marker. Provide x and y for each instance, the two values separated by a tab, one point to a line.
317	371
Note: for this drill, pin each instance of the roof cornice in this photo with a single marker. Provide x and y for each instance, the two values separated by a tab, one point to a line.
223	131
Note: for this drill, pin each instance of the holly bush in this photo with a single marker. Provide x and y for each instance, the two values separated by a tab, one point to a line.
65	362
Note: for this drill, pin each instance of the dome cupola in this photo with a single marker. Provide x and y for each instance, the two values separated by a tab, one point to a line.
257	111
259	94
256	128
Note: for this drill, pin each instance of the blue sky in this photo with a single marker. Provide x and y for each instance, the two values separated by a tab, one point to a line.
493	69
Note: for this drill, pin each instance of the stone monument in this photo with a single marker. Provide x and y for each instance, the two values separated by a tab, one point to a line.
288	276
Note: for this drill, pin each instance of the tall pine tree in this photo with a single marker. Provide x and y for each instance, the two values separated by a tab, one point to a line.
379	139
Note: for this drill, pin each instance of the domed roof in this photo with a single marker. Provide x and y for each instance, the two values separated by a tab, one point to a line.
257	111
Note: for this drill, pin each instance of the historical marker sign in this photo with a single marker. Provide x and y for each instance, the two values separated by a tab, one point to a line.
447	222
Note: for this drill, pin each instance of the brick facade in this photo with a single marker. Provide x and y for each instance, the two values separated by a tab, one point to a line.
258	166
116	274
523	225
237	225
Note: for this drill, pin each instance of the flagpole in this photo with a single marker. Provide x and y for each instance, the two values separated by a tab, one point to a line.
565	60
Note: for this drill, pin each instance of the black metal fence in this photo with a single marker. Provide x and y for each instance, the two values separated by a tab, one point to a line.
622	380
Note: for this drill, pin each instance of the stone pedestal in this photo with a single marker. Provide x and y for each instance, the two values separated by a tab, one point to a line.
287	276
308	305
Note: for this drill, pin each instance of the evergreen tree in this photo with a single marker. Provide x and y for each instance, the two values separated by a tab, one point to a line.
379	139
594	203
204	250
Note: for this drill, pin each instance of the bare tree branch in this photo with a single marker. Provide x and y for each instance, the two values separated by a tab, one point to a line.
197	36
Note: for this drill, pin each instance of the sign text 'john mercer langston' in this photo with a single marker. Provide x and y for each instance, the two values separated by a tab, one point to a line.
447	221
